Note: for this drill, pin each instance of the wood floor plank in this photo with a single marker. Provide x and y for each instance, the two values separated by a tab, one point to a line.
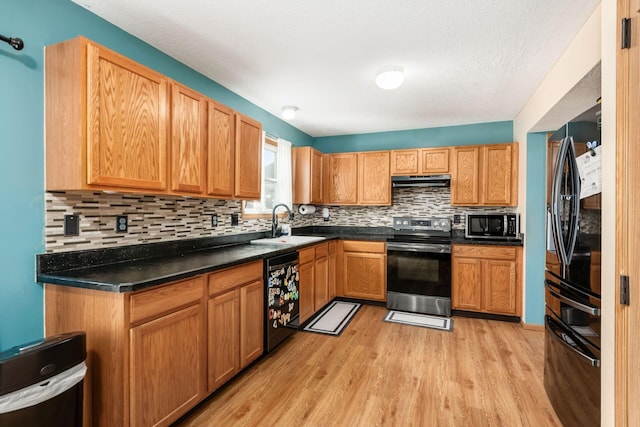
484	373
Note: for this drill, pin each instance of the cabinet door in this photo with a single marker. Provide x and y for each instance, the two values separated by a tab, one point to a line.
404	162
341	177
252	315
434	161
465	176
316	176
248	177
332	270
223	344
364	275
374	182
307	291
127	122
321	290
497	175
499	285
221	150
166	375
188	140
466	284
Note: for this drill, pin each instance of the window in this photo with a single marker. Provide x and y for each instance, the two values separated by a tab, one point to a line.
276	179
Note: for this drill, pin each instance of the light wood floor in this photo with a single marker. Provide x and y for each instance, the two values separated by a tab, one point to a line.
484	373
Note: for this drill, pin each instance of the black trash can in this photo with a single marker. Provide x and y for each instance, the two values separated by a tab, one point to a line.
41	382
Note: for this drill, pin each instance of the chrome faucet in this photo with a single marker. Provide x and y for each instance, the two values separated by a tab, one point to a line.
275	230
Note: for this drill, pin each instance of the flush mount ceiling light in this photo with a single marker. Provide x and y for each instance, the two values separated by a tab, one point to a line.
289	112
390	77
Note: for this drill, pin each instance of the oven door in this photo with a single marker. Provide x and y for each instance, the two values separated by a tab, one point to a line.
419	278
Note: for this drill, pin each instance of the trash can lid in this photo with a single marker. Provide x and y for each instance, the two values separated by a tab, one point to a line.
31	363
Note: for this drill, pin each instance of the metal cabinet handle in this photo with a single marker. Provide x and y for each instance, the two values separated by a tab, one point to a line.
589	309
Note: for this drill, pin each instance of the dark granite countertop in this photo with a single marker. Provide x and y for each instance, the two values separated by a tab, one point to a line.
136	267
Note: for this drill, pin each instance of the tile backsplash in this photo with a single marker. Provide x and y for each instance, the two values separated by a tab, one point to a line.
165	218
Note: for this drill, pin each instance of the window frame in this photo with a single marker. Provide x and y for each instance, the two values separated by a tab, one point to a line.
273	146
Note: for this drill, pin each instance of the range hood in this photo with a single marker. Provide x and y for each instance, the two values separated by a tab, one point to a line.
421	181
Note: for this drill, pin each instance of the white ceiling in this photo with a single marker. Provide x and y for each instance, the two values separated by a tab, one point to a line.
465	61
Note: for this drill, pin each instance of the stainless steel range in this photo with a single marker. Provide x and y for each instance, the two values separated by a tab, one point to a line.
419	266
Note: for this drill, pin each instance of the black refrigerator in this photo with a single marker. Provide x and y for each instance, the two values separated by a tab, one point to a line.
572	301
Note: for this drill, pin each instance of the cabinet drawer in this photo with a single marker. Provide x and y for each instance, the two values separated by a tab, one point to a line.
322	250
306	255
363	246
233	277
491	252
153	302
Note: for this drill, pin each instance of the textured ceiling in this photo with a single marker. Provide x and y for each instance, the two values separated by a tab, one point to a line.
465	61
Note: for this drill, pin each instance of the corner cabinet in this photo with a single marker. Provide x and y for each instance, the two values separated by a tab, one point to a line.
487	279
107	121
363	269
485	175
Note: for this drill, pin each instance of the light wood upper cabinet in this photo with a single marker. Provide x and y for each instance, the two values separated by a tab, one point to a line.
341	179
248	174
500	174
188	140
487	279
424	161
434	161
307	175
221	145
107	122
465	177
374	184
405	162
485	175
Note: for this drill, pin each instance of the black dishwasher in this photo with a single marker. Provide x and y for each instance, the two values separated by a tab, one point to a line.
281	298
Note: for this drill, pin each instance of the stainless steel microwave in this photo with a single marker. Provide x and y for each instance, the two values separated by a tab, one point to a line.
492	226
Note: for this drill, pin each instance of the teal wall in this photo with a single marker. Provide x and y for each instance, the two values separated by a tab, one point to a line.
535	232
40	23
483	133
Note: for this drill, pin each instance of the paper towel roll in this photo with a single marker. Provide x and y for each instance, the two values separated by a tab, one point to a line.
307	209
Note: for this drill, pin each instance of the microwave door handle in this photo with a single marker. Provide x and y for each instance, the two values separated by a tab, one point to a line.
589	309
584	353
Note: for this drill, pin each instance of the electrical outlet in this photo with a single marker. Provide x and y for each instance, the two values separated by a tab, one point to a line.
71	225
122	224
456	219
234	219
214	220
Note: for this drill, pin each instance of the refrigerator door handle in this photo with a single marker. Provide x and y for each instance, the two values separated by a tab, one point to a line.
574	215
589	309
556	198
583	352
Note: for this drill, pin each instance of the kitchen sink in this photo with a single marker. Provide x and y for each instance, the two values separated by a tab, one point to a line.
288	240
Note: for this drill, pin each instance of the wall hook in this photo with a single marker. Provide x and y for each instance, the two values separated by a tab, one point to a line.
15	42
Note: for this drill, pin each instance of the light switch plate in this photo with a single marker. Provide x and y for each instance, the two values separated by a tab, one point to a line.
71	225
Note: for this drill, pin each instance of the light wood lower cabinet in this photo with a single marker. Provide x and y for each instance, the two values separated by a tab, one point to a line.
363	270
487	279
235	319
314	279
154	354
166	367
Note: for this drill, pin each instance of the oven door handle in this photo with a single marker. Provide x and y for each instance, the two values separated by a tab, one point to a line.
589	309
583	352
408	247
